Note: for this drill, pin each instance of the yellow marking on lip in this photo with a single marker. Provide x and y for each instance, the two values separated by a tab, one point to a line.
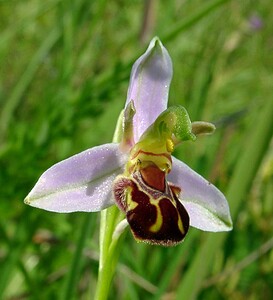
159	220
180	224
131	204
179	221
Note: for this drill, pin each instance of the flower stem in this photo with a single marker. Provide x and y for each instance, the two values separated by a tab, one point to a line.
109	251
105	274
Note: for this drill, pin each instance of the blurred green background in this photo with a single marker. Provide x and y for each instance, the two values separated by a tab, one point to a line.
64	72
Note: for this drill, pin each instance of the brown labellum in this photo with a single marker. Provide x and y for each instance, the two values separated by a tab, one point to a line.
153	210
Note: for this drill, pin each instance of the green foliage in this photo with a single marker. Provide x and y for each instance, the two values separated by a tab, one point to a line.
64	72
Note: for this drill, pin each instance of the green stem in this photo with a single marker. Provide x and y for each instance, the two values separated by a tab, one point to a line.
108	251
108	243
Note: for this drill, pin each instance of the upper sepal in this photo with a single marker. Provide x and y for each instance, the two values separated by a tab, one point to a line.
149	86
82	182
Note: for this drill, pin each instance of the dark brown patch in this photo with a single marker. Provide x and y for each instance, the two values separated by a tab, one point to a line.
145	215
153	212
153	177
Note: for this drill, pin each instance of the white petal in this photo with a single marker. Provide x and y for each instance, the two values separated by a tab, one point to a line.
206	205
82	182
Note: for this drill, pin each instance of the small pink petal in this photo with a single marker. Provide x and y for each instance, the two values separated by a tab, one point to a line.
206	205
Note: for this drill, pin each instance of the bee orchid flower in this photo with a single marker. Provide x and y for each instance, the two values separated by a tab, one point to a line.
159	194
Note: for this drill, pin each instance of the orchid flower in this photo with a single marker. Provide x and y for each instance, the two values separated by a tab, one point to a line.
159	194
